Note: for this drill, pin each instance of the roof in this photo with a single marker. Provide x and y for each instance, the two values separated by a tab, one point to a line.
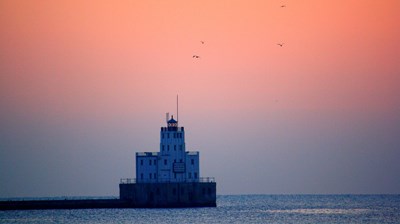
172	120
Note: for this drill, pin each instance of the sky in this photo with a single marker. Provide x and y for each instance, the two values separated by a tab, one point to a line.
84	85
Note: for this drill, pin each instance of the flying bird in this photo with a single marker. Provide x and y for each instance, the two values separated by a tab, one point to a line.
283	6
196	56
280	44
202	42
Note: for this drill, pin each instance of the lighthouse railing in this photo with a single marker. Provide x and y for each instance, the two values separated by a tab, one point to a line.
167	180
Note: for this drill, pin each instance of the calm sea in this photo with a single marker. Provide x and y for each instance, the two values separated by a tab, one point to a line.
236	209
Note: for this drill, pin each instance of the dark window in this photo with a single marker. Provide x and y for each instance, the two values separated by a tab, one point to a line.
141	162
167	147
155	176
167	135
162	147
150	175
150	162
162	135
174	147
174	135
192	161
155	162
141	176
174	160
195	175
165	162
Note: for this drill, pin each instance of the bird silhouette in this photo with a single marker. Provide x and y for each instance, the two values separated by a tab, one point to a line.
283	6
196	56
202	42
280	44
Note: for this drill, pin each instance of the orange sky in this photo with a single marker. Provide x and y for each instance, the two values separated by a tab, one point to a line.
112	61
336	54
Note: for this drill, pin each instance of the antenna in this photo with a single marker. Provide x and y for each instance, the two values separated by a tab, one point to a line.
167	117
177	113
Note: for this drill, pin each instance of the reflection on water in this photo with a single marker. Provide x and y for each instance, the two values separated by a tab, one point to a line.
321	211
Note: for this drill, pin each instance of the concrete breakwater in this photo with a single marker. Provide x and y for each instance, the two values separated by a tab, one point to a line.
89	204
63	204
133	195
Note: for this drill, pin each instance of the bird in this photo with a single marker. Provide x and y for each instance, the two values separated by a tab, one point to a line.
283	6
196	56
202	42
280	44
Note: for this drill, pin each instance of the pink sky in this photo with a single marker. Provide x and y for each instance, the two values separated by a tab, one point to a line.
113	61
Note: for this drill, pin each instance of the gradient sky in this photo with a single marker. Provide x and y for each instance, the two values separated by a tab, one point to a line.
86	84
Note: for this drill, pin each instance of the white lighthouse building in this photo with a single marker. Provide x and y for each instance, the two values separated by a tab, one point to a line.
172	163
169	177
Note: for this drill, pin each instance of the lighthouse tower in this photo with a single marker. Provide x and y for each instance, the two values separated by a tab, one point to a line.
172	163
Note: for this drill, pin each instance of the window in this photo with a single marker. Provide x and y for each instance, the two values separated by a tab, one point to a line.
162	135
141	162
150	162
195	175
190	175
150	175
155	175
167	147
167	135
174	160
174	135
165	162
155	162
174	147
141	176
162	147
192	161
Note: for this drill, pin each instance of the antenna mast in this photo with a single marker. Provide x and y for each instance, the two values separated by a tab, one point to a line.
177	111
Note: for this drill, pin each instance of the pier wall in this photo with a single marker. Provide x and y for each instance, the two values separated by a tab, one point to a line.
63	204
193	194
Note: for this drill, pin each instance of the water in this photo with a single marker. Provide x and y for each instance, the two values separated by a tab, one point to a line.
236	209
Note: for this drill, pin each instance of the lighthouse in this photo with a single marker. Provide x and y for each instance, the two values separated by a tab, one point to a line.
172	163
169	177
